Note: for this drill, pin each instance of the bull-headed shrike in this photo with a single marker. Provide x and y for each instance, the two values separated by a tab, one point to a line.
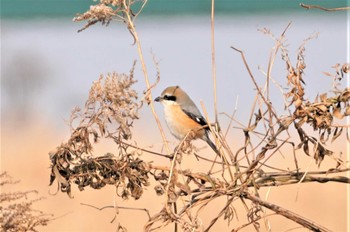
183	117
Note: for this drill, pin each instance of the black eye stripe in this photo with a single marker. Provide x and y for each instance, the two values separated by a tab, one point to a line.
169	98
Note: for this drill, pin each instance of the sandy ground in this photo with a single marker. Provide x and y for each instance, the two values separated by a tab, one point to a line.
25	156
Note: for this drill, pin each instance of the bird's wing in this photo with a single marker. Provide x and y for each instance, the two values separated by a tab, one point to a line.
196	117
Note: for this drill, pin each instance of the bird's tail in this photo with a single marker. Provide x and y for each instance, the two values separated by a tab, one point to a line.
211	144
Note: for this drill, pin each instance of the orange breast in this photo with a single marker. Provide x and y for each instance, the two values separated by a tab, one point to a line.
180	124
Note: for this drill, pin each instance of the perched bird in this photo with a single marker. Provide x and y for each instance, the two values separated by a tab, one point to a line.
182	115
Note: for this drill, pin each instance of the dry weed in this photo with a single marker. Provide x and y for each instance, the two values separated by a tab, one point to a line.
237	174
17	212
105	11
109	113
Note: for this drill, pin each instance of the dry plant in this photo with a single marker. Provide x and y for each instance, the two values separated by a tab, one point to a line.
238	174
306	6
17	212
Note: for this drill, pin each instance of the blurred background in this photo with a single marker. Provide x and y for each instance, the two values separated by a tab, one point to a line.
47	68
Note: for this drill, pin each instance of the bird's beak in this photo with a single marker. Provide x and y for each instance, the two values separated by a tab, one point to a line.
158	99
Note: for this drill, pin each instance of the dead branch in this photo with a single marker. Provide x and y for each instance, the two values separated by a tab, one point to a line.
286	213
113	106
323	8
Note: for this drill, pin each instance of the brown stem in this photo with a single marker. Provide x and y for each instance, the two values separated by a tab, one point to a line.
286	213
323	8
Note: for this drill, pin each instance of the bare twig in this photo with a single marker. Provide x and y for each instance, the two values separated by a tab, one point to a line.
145	73
323	8
119	207
213	58
286	213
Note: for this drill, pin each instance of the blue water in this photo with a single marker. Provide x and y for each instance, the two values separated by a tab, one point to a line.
28	9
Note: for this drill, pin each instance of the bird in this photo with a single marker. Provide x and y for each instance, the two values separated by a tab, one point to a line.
182	116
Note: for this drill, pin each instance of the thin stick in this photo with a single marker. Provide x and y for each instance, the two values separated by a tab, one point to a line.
220	154
286	213
253	79
213	60
119	207
251	222
323	8
144	70
228	203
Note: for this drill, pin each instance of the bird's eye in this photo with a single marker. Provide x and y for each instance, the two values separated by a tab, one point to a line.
169	98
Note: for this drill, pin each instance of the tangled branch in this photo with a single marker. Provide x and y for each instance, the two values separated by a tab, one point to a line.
238	174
